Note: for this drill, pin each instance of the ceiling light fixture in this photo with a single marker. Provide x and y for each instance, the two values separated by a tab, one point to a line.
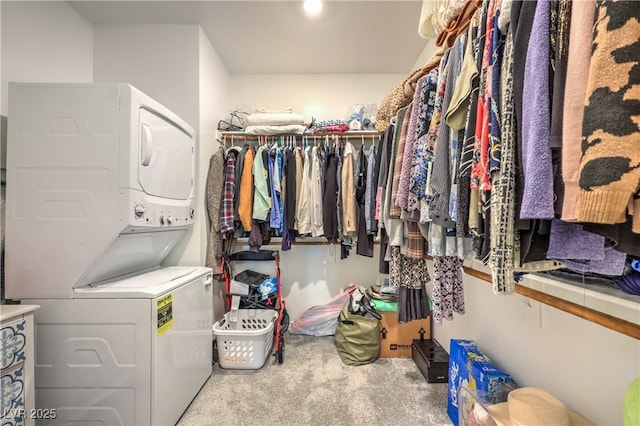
312	7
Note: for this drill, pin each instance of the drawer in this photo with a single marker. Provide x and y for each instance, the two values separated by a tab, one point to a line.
12	381
14	340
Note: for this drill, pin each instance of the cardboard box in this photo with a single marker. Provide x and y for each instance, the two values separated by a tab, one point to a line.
396	339
461	352
471	368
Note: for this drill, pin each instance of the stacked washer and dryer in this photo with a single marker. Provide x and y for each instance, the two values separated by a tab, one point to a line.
100	189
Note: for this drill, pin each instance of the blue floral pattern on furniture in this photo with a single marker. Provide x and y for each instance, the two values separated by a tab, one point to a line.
12	397
12	344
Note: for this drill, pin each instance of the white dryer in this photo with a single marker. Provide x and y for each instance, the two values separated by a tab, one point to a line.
100	189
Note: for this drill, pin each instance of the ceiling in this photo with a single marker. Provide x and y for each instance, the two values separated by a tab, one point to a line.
275	37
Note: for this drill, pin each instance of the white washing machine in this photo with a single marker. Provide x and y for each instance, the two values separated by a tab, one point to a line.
134	351
100	189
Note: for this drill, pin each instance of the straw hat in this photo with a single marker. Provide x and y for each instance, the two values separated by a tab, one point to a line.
533	406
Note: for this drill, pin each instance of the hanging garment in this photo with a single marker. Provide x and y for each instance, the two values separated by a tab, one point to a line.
349	221
448	292
299	171
371	183
456	114
413	304
383	174
304	207
291	188
339	209
410	145
441	171
279	162
503	239
537	198
260	234
226	212
275	219
395	209
215	185
261	195
364	245
418	181
466	213
559	47
316	192
391	214
610	164
432	137
329	200
289	199
417	246
579	57
239	166
410	276
245	202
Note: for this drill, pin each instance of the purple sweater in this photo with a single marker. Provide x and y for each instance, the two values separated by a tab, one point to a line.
537	198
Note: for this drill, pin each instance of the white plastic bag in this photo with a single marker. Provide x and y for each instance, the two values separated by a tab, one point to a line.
321	320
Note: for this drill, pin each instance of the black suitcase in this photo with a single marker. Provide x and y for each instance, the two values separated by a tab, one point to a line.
432	360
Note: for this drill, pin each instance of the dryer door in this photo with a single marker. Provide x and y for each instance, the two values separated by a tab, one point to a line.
166	157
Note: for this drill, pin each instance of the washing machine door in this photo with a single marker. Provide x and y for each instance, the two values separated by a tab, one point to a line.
166	166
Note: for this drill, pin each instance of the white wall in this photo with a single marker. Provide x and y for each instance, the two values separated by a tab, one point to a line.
323	96
214	97
163	62
312	275
160	60
425	55
40	42
585	365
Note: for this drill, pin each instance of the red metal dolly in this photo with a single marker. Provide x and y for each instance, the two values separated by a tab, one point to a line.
251	298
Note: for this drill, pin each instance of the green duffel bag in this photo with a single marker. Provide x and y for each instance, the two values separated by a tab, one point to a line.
358	336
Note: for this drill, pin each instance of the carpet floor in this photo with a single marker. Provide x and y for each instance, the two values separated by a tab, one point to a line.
314	387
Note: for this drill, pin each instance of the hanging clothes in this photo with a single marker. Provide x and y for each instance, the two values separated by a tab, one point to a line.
371	183
410	276
299	170
418	171
304	206
261	195
274	176
316	192
215	185
365	240
245	202
349	221
239	166
579	57
226	212
609	171
537	197
329	200
448	292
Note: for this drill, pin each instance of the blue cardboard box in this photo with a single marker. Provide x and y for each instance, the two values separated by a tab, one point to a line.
471	368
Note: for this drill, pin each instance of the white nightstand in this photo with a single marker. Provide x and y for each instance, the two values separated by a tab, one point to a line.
17	365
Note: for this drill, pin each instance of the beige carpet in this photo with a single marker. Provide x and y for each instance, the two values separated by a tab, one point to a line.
314	387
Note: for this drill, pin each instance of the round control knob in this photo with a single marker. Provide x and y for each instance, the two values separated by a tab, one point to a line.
169	220
161	220
192	212
139	210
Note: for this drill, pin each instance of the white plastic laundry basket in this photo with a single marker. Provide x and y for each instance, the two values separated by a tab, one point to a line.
245	344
